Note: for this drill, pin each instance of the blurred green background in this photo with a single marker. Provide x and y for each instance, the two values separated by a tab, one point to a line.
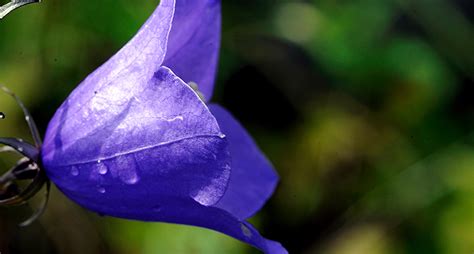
365	107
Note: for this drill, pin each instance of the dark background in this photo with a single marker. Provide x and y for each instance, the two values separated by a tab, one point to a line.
365	107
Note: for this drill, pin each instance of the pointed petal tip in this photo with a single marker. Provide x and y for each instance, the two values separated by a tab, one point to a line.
275	248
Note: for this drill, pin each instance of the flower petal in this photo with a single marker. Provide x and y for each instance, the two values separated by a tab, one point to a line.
253	178
149	143
137	61
193	47
188	212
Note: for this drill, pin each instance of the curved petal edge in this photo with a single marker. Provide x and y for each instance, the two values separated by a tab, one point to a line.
253	178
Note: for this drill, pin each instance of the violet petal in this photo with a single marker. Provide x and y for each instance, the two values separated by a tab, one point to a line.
193	47
152	144
187	212
253	178
134	63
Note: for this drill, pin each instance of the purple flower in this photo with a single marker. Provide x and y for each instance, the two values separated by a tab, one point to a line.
134	140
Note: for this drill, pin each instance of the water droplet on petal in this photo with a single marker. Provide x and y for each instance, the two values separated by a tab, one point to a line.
74	171
125	167
2	115
245	230
193	85
103	169
101	190
131	179
20	149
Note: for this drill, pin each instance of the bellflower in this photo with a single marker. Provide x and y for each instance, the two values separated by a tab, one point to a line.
135	140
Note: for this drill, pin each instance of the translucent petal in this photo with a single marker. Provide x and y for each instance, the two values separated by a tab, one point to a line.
253	178
193	47
152	144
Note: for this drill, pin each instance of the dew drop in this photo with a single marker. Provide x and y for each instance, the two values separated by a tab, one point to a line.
74	171
101	190
20	149
193	85
103	170
131	179
125	168
2	115
245	230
